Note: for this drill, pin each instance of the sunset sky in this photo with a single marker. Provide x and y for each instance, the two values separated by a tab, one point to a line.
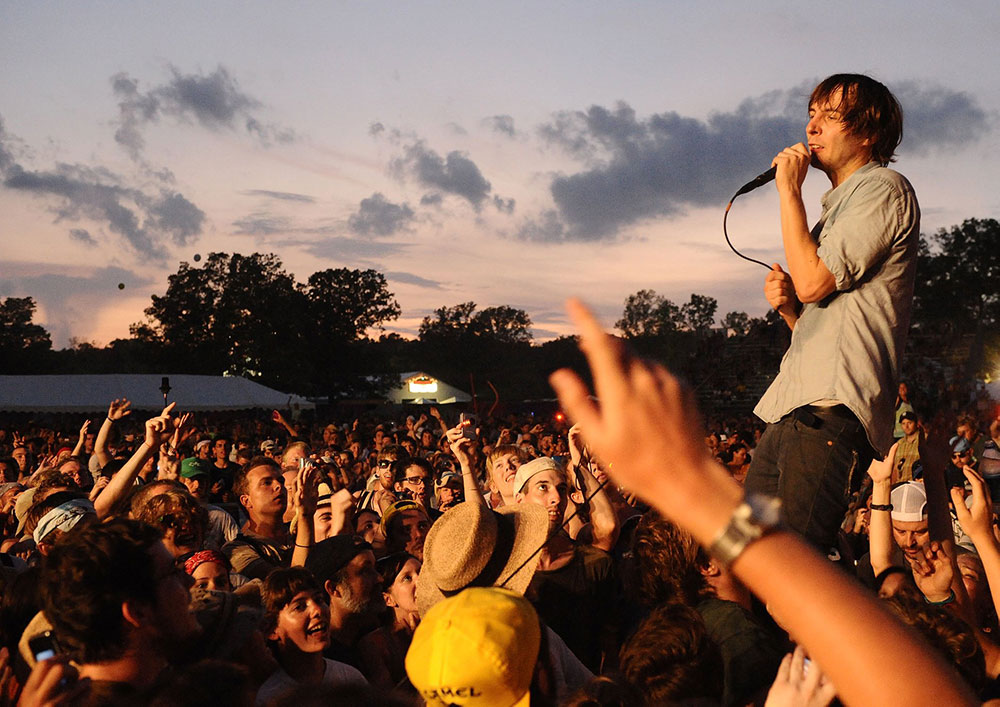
505	153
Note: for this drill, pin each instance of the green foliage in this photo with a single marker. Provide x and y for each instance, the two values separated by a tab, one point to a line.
24	345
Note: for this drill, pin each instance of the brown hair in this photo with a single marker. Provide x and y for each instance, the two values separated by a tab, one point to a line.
280	588
868	110
668	563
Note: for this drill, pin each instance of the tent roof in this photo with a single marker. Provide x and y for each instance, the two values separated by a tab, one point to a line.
86	393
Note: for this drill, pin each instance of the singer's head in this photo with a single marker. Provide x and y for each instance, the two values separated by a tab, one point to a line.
868	110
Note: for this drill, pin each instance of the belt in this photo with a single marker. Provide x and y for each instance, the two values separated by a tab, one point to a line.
814	415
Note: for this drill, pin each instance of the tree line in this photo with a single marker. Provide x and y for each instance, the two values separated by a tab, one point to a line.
245	315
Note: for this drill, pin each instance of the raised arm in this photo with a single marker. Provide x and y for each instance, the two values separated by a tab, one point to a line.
824	609
158	430
880	525
603	519
280	419
118	409
83	435
470	482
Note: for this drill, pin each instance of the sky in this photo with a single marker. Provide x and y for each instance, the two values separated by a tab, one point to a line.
509	153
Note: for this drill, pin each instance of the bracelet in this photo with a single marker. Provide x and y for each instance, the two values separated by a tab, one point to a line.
949	600
881	506
305	546
111	421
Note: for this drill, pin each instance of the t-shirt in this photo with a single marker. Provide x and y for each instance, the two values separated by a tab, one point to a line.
254	556
281	682
577	602
750	655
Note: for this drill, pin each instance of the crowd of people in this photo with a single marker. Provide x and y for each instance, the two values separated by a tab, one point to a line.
256	562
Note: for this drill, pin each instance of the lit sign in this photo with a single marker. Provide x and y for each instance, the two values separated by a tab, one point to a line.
423	385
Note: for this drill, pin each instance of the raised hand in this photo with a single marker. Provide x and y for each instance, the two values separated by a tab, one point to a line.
797	685
83	429
933	573
977	522
575	441
159	429
459	444
671	468
118	409
882	470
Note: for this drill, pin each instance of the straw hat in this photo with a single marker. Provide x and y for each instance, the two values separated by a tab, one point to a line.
472	545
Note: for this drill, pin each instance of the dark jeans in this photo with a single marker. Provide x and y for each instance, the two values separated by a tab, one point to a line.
812	459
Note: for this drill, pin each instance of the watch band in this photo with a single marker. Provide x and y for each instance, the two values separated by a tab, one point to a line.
753	519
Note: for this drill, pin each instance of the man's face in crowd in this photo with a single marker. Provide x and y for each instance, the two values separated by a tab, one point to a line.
8	472
448	496
292	456
502	474
417	483
265	496
204	452
366	526
211	575
322	522
385	471
358	589
409	446
20	455
904	391
198	486
72	468
409	530
549	490
911	536
329	435
961	459
88	443
220	449
834	148
964	430
304	623
909	427
172	619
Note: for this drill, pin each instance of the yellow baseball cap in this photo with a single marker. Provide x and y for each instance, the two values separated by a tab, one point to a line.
478	647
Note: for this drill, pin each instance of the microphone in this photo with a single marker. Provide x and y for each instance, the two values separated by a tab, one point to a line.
758	181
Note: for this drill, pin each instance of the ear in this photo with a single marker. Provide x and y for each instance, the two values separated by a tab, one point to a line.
398	486
135	613
518	497
710	569
330	589
389	601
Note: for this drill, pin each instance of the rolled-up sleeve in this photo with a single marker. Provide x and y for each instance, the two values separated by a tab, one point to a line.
860	232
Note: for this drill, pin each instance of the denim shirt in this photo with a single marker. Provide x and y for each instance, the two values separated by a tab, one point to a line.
848	346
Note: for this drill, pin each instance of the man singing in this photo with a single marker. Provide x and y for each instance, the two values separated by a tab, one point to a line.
846	297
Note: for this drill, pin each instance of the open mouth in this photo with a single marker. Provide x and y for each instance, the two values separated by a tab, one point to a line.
317	629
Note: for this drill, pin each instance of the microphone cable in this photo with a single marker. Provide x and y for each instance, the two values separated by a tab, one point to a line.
757	181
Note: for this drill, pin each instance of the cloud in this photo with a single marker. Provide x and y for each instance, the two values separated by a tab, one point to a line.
144	219
504	206
937	118
546	228
82	235
658	166
68	295
377	216
433	199
261	225
214	101
375	129
453	174
280	195
410	279
343	249
503	124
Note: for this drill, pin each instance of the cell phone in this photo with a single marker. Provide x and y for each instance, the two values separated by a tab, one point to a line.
42	646
468	423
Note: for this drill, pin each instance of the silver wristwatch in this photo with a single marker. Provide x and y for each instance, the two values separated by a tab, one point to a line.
757	516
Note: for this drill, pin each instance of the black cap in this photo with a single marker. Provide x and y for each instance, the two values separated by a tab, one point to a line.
327	557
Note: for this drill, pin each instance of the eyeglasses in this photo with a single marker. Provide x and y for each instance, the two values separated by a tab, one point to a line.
416	480
384	463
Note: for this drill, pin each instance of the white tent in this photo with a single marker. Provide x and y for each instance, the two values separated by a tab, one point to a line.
419	388
92	393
